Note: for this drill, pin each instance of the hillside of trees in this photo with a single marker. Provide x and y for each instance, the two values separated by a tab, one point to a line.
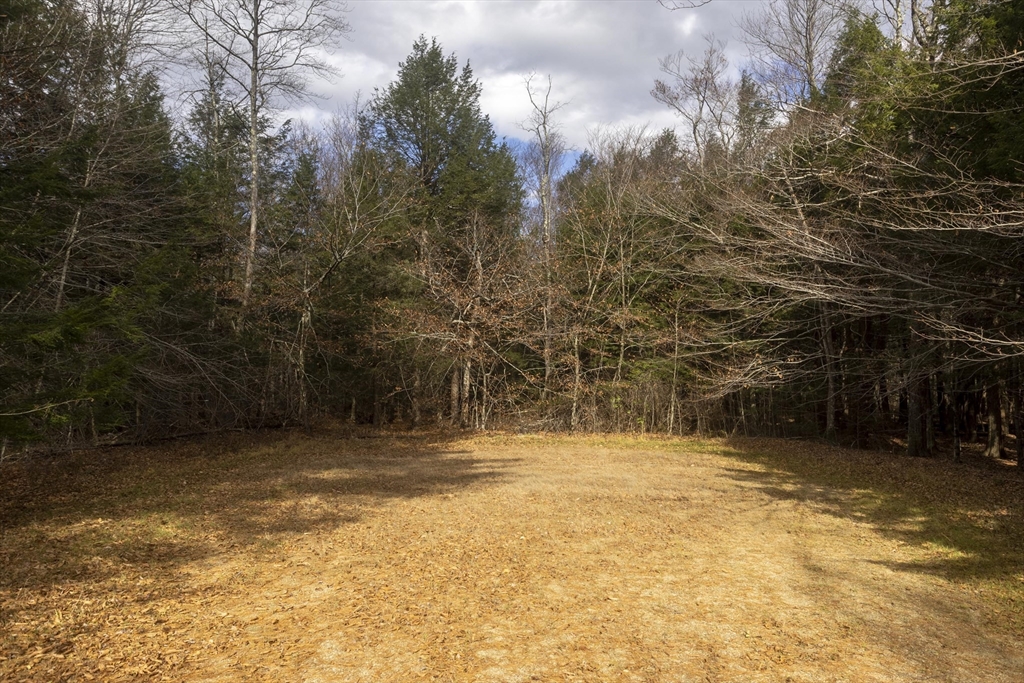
830	245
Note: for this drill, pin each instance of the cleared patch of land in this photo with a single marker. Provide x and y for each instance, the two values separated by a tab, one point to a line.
327	558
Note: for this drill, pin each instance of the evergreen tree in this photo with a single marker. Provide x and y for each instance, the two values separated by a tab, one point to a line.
428	122
89	182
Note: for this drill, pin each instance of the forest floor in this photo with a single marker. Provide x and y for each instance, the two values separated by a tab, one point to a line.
330	558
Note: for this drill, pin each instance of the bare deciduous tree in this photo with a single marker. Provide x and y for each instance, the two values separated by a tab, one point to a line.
703	96
791	44
270	48
544	159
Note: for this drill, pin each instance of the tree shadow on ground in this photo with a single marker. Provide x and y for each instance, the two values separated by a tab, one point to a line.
91	516
970	514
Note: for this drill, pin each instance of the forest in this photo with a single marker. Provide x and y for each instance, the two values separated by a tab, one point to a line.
829	245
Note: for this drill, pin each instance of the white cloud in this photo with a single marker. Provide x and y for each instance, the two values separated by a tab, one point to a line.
687	26
602	55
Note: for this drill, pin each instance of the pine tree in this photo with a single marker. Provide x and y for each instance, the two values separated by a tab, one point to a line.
428	122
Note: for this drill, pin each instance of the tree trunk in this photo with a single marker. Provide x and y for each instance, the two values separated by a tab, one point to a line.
957	410
483	398
929	415
743	412
454	394
624	312
466	383
378	408
577	382
548	143
547	345
62	282
903	409
971	414
254	161
675	376
993	400
830	375
942	403
304	324
415	398
1019	426
548	299
917	412
882	400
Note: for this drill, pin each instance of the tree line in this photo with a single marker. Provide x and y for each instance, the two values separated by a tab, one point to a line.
828	245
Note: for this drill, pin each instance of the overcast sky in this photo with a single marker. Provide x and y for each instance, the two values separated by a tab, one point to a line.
602	55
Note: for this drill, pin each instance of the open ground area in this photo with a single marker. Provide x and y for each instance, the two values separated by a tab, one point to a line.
331	558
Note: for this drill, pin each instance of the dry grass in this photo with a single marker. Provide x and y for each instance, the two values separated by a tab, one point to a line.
509	558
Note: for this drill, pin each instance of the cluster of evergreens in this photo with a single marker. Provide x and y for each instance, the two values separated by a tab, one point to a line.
831	245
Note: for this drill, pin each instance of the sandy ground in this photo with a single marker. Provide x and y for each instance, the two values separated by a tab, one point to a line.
493	559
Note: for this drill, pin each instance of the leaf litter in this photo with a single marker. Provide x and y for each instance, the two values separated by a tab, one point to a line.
432	557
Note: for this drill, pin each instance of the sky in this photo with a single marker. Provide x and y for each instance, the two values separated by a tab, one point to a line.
602	55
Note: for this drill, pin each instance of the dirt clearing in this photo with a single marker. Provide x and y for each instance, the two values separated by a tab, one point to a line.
509	558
